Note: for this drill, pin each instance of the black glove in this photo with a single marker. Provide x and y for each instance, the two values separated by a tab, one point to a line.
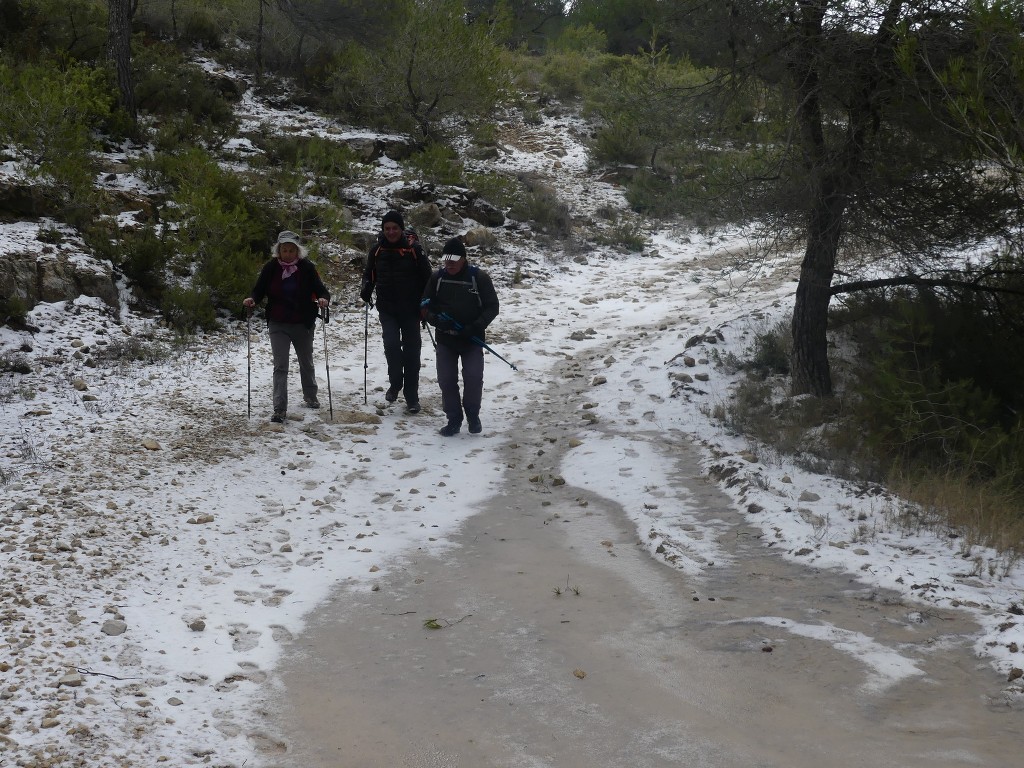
367	294
442	323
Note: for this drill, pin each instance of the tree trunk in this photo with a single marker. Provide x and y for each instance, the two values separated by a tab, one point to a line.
119	51
259	46
810	366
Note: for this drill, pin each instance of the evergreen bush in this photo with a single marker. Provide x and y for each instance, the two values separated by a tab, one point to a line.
182	95
51	110
438	164
938	386
220	232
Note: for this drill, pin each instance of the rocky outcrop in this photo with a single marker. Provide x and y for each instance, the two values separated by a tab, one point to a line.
54	275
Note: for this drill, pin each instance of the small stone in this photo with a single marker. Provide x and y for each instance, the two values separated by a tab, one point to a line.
197	626
174	701
71	680
114	627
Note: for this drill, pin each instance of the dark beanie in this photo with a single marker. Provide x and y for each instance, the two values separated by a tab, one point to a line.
395	217
455	247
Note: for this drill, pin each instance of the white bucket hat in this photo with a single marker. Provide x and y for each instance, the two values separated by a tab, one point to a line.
287	236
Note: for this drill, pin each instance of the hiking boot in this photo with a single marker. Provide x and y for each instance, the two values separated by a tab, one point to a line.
392	394
311	403
449	429
278	417
413	407
474	425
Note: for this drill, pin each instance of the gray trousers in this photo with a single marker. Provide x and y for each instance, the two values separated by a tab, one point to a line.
284	336
472	381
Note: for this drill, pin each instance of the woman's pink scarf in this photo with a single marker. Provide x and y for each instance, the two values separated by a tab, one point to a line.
288	269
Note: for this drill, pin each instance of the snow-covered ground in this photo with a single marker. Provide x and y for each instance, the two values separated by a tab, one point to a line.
159	547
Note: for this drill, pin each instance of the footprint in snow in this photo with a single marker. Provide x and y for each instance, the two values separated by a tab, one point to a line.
242	638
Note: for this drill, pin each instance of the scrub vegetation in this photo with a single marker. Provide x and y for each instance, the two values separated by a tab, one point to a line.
880	140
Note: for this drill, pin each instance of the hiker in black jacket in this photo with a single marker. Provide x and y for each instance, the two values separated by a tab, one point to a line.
294	293
398	270
460	301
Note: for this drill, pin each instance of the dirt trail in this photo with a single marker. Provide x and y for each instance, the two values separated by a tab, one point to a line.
645	667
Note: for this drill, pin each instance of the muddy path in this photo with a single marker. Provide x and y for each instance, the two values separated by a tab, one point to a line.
561	642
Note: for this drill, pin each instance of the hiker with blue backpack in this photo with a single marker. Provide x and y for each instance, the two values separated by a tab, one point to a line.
398	270
460	301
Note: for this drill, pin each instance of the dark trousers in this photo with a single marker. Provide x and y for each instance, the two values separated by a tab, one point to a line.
469	400
402	350
284	336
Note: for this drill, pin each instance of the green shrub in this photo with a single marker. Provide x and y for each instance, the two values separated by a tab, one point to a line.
173	88
438	164
937	382
542	207
144	256
188	309
50	234
654	195
585	38
180	132
220	231
618	142
31	28
770	353
50	115
499	190
315	156
566	74
625	233
12	310
201	29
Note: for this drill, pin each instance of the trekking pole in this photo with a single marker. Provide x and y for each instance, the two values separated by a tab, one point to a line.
366	342
248	361
326	317
430	334
458	327
490	349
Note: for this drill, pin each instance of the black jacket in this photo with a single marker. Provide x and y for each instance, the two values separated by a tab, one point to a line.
398	272
468	297
292	300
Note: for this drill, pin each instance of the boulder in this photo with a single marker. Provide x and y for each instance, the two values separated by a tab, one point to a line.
426	215
482	212
480	236
367	149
